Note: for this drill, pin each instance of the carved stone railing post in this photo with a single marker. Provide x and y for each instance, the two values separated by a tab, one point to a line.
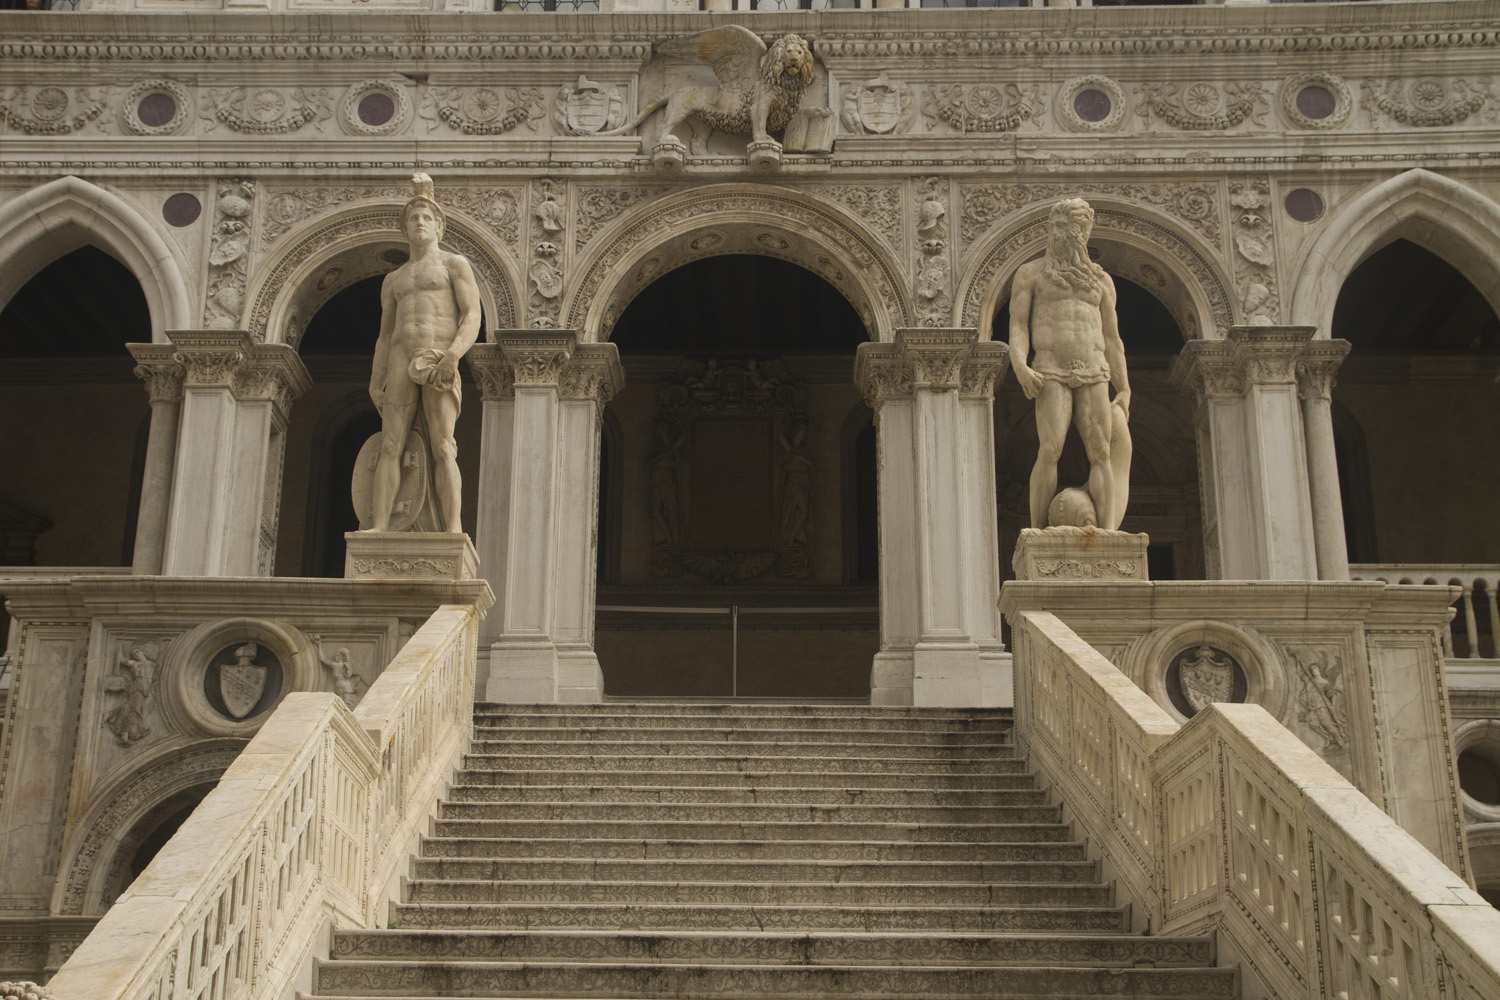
932	390
163	377
227	482
1315	376
1252	455
537	488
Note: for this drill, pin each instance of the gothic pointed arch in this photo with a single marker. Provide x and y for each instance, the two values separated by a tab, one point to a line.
1136	242
309	265
734	219
57	218
1437	213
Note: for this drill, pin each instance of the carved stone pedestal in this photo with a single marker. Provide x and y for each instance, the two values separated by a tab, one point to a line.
669	157
1080	554
764	157
409	555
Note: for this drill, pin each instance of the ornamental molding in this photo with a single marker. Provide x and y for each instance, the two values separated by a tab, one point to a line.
483	110
130	116
52	110
1427	101
985	206
287	207
267	110
1068	115
1204	106
400	101
1343	100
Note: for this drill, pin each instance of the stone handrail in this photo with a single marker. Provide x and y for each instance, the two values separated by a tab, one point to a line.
1472	578
1231	822
311	823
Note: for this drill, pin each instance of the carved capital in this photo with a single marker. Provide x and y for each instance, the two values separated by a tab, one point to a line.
882	374
593	372
1209	369
210	357
1269	353
1318	367
1258	355
493	373
936	355
983	368
162	374
537	357
272	373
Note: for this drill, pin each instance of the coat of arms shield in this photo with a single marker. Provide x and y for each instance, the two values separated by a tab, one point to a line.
242	682
880	108
1205	675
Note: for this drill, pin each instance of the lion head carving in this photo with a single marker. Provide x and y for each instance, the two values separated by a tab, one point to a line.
788	64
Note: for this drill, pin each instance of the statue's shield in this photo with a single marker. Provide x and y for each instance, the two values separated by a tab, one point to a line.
880	108
587	109
1205	680
411	493
241	686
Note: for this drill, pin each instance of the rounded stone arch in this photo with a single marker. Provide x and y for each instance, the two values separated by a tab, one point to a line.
1439	214
93	857
322	258
1135	242
732	219
43	224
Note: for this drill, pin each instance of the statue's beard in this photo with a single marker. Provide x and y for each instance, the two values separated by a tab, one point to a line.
1068	264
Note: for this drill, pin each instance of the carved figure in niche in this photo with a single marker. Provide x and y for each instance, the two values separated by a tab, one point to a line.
753	90
796	463
346	683
135	676
429	318
1321	698
1063	306
666	455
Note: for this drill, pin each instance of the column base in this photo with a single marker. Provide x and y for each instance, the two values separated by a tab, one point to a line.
953	675
580	679
409	555
1080	554
522	673
890	679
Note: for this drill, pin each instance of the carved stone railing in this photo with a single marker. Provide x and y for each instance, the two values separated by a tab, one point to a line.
1479	582
312	823
1231	823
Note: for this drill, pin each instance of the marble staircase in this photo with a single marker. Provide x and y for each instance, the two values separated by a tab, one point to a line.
747	850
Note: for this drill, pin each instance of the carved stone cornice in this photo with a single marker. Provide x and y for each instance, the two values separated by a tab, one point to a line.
1318	366
493	373
162	373
1256	356
211	357
536	357
593	372
983	368
936	355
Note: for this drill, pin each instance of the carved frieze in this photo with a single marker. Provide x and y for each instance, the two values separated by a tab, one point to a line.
984	205
878	107
877	205
288	207
587	108
1255	250
934	268
483	110
983	107
1427	101
267	110
228	255
1204	106
53	110
598	205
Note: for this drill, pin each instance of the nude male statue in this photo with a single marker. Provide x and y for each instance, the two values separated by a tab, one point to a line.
429	318
1063	306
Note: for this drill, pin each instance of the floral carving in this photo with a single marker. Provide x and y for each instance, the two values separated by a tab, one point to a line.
45	110
986	204
1202	106
484	110
878	206
1255	251
878	107
982	108
597	206
287	207
228	255
1426	102
267	110
934	303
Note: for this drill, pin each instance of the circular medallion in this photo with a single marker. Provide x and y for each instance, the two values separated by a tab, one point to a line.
181	209
482	105
985	101
50	104
1429	94
375	107
1304	205
1201	675
1202	99
155	107
1315	100
267	105
1091	104
243	679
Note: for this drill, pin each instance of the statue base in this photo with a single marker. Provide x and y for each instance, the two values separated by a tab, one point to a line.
669	157
409	555
1080	554
764	157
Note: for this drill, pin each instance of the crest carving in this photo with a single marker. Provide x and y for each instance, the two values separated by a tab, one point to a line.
878	107
1205	674
587	108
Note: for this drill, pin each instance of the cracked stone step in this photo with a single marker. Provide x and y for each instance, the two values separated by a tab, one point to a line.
733	762
1004	774
551	979
434	865
448	885
823	948
620	796
745	748
731	734
731	917
716	812
809	850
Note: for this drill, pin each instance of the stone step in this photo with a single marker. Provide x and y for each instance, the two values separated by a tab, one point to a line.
733	850
620	979
621	796
739	763
1001	894
730	917
1004	774
808	726
722	812
996	869
744	748
451	882
732	734
884	715
690	830
677	948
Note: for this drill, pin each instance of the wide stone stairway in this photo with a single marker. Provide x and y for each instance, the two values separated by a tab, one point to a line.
697	850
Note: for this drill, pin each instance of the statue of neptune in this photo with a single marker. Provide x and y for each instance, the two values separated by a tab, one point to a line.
1063	307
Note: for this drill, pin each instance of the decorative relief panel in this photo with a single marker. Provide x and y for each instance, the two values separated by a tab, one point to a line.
1091	104
984	205
1255	251
133	681
597	206
544	274
1428	101
877	107
483	110
1315	101
1322	702
267	110
156	107
1203	106
983	107
375	107
228	255
934	268
54	110
288	207
877	205
587	108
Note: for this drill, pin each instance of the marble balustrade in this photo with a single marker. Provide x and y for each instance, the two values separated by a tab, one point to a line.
312	823
1231	822
1478	581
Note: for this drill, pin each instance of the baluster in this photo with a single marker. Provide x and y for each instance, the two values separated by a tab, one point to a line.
1489	592
1471	626
1448	640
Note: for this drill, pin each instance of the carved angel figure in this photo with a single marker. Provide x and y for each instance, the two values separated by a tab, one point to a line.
1322	698
136	674
754	90
346	683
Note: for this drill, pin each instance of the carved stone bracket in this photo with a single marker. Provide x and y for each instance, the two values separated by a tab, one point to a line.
162	373
210	357
1257	355
882	374
983	368
274	373
929	359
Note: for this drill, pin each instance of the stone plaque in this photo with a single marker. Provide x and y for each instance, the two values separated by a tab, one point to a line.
729	484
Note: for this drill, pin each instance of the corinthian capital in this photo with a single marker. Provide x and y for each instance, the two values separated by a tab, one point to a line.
162	374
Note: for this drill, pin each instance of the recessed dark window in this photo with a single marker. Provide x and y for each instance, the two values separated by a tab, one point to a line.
1092	105
155	110
1304	205
376	109
1316	102
181	210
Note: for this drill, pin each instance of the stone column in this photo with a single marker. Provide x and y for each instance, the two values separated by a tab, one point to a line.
163	377
1315	378
1257	506
932	390
226	482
